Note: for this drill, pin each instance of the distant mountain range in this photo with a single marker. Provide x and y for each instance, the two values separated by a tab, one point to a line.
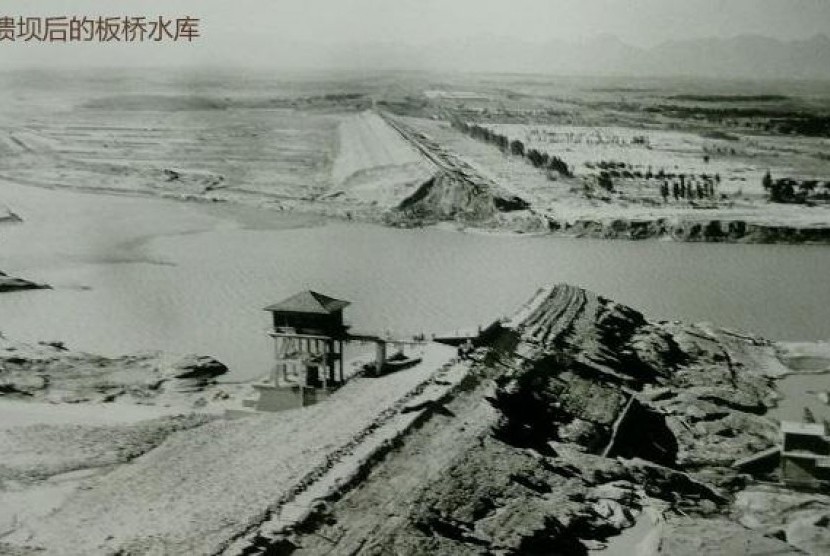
747	56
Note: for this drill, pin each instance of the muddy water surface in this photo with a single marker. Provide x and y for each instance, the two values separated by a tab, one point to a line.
136	274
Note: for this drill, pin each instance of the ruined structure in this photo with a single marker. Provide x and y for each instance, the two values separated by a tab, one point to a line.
805	455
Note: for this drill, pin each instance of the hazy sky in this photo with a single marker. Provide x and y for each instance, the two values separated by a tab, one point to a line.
258	32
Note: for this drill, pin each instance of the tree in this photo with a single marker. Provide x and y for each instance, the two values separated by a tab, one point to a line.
782	191
808	186
517	147
558	165
536	158
766	181
605	182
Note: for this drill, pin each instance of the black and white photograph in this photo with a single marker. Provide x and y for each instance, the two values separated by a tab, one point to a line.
414	277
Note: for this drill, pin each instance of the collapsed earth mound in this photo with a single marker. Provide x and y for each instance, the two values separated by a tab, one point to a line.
384	164
584	416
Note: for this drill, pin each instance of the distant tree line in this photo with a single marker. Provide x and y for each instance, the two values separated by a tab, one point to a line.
677	185
729	98
787	122
538	159
621	170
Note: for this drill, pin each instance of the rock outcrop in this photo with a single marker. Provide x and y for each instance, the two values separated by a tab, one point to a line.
50	372
193	373
10	283
802	519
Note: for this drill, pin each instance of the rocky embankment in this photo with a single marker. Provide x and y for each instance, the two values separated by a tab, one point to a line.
10	284
720	230
48	372
584	418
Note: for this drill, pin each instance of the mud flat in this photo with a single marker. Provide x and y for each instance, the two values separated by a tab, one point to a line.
576	419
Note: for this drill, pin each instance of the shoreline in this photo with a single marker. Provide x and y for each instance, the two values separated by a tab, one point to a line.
678	228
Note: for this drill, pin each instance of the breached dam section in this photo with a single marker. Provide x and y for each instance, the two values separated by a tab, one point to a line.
574	419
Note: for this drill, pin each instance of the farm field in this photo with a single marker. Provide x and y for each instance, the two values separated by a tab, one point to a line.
270	152
332	147
741	161
739	195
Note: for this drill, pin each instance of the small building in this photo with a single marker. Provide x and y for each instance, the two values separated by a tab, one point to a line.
805	455
308	332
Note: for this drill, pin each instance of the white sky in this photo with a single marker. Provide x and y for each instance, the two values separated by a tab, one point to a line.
256	32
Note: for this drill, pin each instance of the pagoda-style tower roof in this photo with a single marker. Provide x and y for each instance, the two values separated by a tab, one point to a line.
309	302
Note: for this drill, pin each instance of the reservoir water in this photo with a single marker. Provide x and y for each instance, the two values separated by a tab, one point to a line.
133	274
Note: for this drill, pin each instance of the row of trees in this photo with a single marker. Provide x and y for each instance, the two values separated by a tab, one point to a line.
583	138
545	161
679	188
538	159
621	170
